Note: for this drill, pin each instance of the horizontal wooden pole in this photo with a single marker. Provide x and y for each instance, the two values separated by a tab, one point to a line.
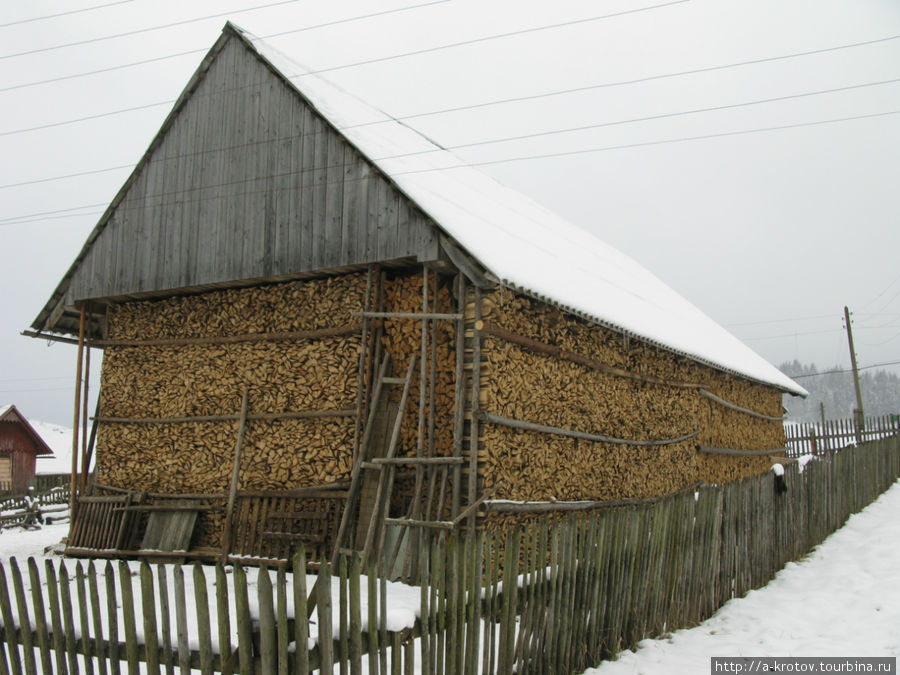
502	506
544	429
258	417
721	401
744	453
418	460
334	331
409	522
51	338
408	315
169	507
552	350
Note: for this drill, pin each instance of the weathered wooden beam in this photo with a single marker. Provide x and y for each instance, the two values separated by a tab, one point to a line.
335	331
235	474
721	401
408	315
73	501
552	350
743	453
571	433
268	417
49	337
502	506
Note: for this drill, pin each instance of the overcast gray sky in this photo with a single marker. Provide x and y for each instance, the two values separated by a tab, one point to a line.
745	151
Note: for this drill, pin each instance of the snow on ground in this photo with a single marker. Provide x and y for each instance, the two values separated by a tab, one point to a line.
841	600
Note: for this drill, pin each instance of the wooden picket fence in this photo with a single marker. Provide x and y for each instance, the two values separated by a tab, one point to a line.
833	435
536	598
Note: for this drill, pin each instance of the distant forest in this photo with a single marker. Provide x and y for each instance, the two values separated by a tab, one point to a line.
880	392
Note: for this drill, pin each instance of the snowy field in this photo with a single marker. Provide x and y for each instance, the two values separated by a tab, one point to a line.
841	600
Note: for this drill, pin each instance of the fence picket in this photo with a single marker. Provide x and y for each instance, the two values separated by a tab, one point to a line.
355	619
65	598
40	618
266	606
204	632
301	622
343	613
223	619
24	619
9	625
323	612
87	643
128	625
112	618
162	584
148	605
96	618
282	620
243	621
181	625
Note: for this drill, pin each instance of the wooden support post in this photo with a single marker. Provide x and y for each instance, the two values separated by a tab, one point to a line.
235	474
476	397
361	380
859	418
459	397
73	485
84	418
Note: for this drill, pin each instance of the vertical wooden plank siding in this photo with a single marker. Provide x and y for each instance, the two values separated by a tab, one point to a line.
246	181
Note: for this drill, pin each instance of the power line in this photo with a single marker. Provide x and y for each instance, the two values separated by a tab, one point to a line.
843	370
189	52
148	29
620	83
628	146
482	142
760	323
75	120
649	118
486	38
21	219
773	337
54	16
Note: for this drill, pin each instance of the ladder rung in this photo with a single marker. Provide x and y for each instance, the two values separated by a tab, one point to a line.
408	522
372	465
417	460
393	380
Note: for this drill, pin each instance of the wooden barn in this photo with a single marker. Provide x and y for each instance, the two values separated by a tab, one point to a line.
20	446
320	327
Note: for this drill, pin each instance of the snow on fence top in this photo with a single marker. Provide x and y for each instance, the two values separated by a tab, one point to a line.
524	245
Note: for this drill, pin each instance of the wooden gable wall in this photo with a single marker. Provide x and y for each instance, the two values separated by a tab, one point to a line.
247	182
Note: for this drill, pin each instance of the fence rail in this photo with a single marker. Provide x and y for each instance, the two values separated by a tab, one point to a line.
832	435
528	599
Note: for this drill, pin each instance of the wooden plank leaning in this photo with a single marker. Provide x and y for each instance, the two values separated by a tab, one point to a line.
235	475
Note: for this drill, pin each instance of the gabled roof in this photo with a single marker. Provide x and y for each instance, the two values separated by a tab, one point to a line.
9	413
512	238
521	243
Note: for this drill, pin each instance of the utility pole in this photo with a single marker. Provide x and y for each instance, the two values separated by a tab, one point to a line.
858	413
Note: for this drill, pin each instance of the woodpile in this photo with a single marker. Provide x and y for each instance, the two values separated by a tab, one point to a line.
149	384
526	384
403	338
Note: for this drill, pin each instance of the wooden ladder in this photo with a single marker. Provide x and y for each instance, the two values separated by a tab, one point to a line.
372	477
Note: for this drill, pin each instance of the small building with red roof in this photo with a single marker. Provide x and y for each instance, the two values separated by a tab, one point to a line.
20	446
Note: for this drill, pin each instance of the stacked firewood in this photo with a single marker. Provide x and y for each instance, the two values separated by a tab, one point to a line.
532	386
161	382
403	339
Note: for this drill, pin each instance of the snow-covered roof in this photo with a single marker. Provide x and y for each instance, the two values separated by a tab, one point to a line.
9	413
523	244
